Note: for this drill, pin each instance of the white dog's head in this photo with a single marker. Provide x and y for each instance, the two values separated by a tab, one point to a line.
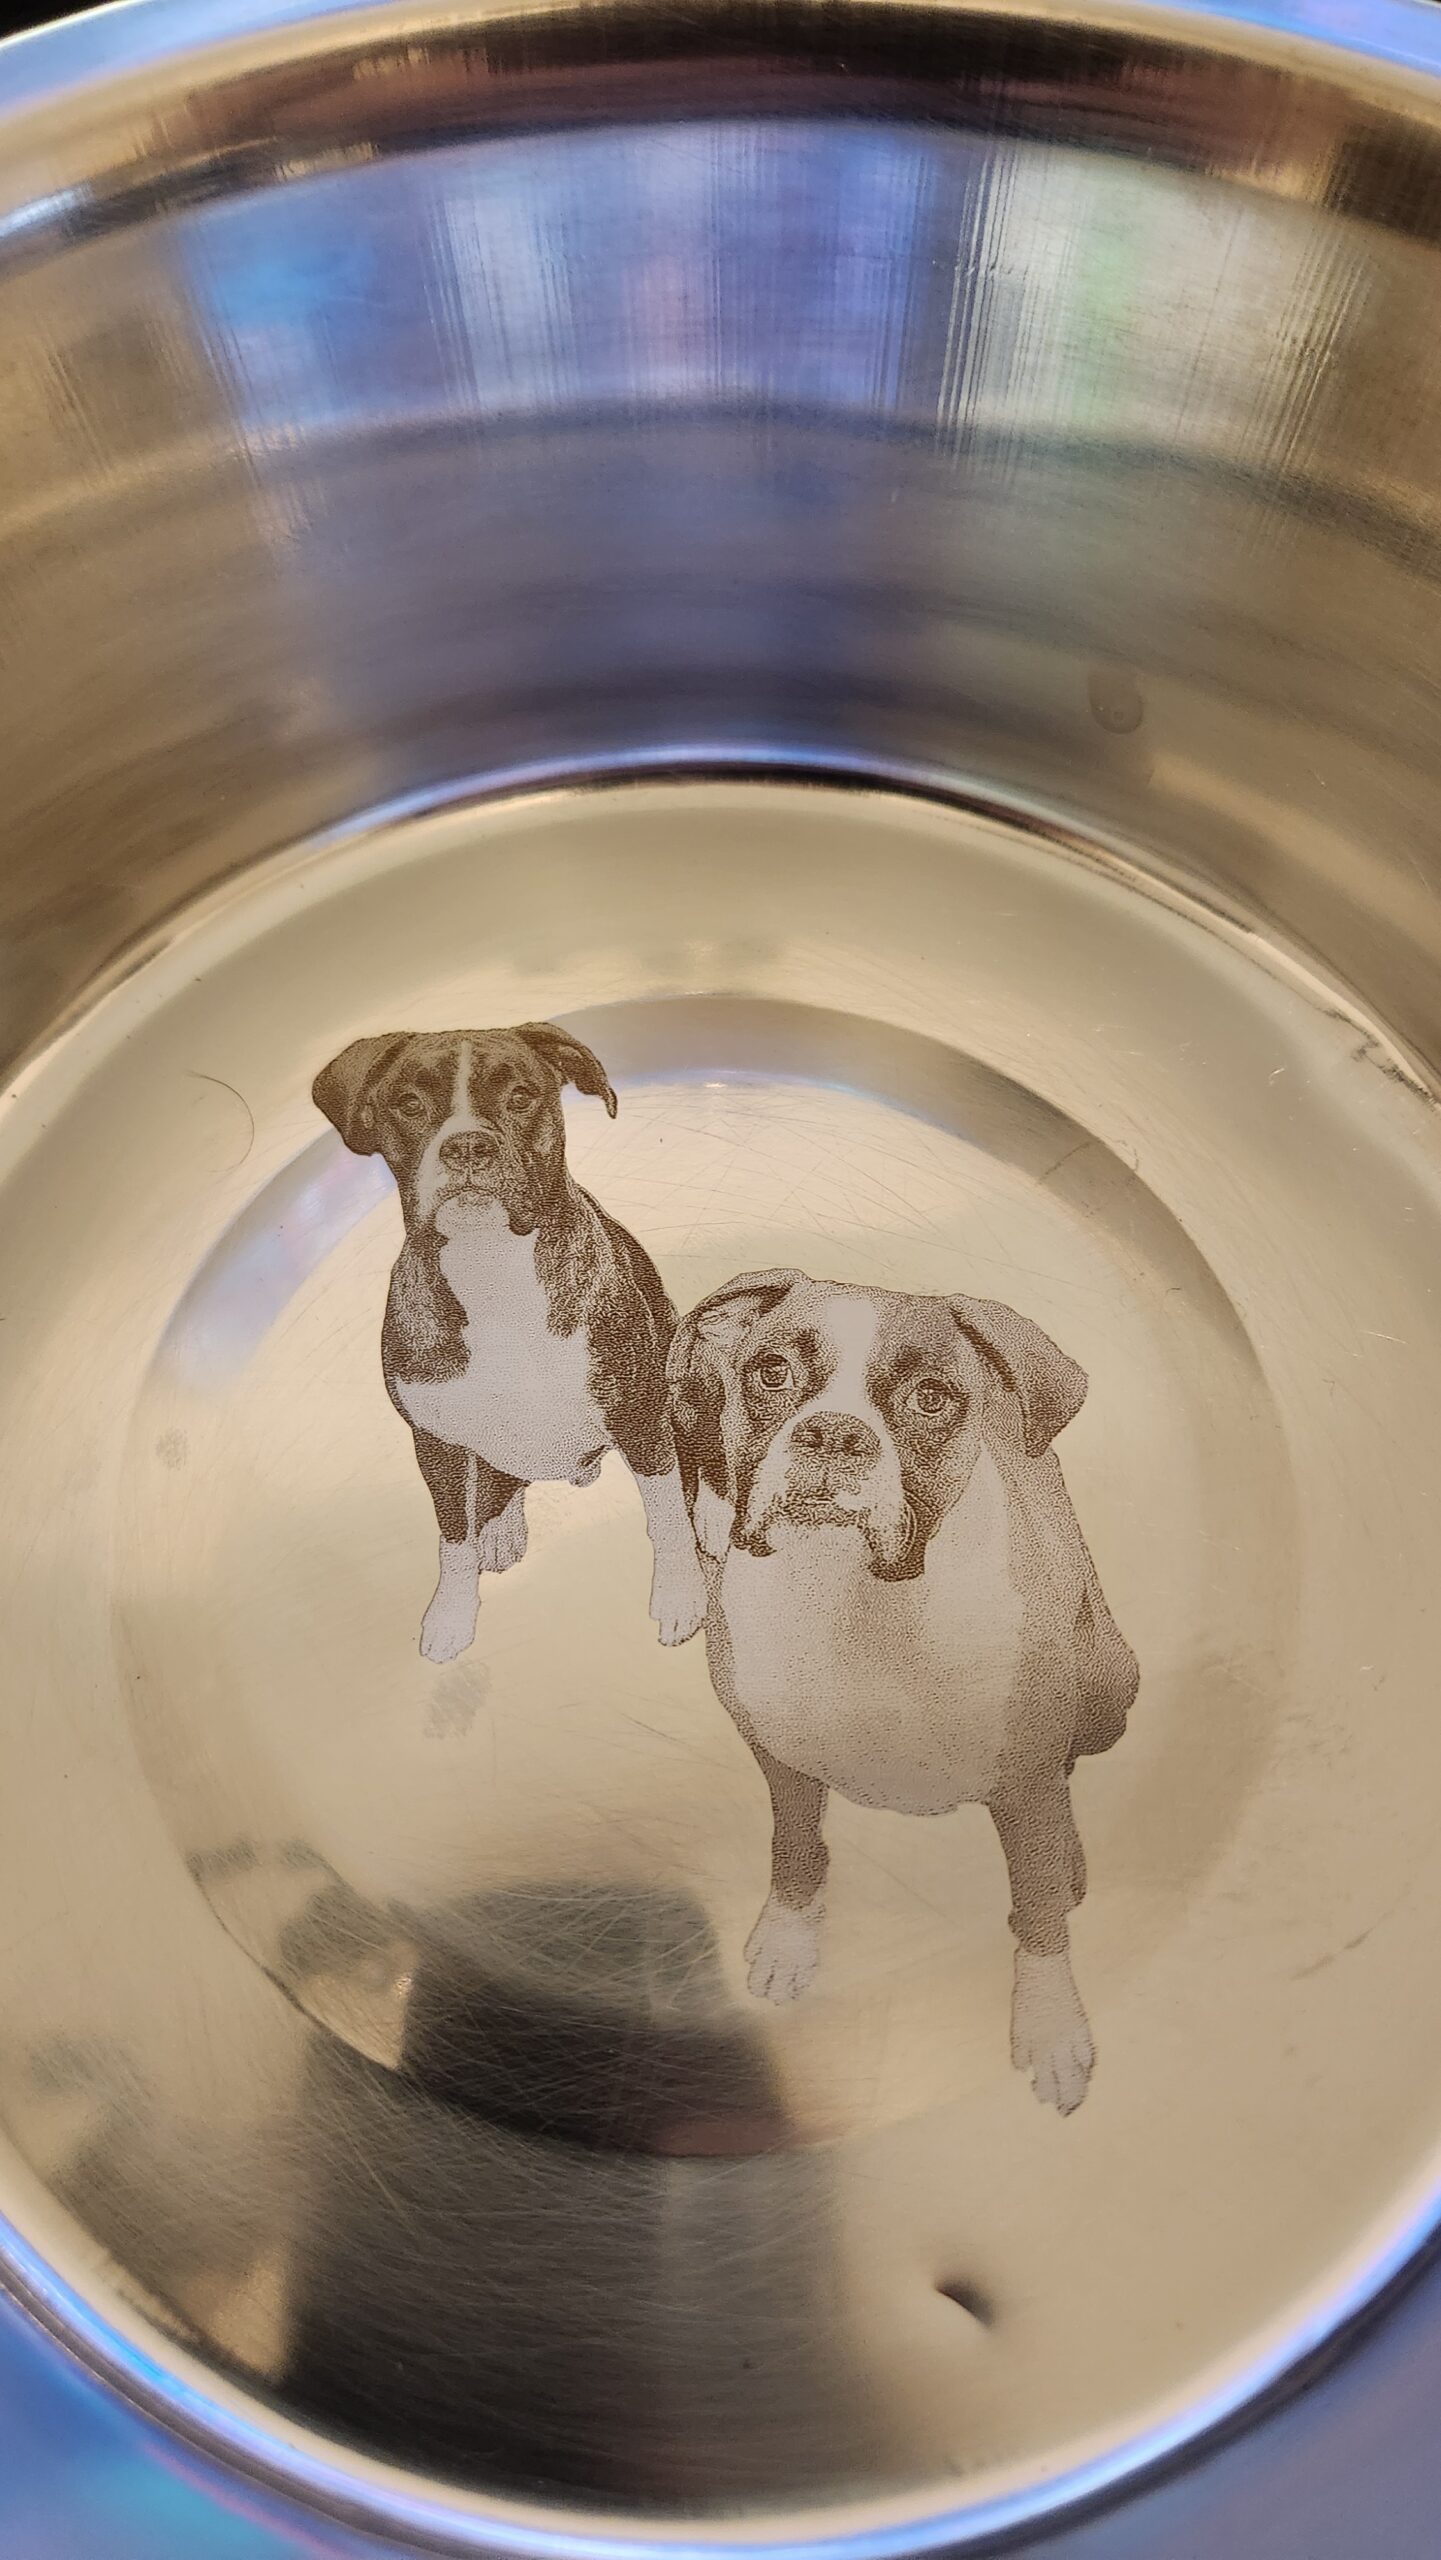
805	1405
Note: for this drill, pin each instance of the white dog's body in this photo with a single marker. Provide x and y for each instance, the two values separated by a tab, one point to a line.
902	1606
904	1700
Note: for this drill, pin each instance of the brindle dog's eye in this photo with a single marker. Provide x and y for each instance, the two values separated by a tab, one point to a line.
932	1396
774	1372
411	1105
521	1099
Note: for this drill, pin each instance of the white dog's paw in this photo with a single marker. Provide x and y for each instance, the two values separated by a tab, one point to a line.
783	1950
448	1626
678	1597
501	1542
1050	2038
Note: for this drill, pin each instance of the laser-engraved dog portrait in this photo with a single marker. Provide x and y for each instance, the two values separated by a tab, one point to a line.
526	1332
901	1604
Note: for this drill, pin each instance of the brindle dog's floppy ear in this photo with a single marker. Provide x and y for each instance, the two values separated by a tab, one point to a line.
343	1090
573	1062
1051	1387
724	1318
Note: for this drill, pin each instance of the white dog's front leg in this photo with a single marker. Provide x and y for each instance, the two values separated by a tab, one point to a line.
1050	2038
448	1626
677	1591
783	1949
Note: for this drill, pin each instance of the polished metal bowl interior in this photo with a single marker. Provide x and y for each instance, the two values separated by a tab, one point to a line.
882	562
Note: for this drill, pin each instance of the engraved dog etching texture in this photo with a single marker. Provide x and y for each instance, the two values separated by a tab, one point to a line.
526	1332
901	1603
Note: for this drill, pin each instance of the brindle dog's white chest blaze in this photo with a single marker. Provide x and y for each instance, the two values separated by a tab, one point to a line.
524	1400
896	1694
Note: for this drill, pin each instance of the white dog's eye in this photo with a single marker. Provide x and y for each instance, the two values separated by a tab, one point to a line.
931	1396
773	1373
411	1105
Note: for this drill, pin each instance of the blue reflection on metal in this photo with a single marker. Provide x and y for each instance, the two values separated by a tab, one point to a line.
321	322
260	1262
79	2481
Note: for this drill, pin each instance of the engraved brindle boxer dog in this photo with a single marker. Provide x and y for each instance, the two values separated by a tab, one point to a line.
901	1603
526	1332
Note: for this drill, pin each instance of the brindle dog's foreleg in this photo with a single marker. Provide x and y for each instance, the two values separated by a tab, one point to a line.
1050	2037
481	1517
677	1591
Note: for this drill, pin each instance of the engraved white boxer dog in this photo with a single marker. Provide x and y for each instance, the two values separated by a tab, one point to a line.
526	1332
901	1603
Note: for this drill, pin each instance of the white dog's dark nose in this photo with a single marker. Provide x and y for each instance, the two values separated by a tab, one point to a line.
468	1151
837	1435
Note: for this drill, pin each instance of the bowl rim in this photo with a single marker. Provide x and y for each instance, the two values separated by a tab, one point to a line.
42	66
143	63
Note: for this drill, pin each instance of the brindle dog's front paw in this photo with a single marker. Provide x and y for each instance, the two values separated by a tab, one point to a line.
501	1542
448	1627
1050	2037
678	1599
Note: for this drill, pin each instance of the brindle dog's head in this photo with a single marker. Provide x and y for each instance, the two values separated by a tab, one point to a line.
808	1405
463	1118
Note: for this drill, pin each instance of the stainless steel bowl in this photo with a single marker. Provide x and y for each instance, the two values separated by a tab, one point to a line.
881	562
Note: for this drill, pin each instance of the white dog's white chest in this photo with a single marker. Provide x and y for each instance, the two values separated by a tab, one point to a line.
524	1401
896	1694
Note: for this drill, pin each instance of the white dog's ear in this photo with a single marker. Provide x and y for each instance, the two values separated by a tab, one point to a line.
722	1321
1051	1388
573	1062
344	1089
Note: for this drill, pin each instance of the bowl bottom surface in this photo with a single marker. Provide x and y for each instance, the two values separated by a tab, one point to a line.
387	2023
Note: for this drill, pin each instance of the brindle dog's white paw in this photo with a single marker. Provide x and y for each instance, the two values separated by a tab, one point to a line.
448	1626
678	1599
501	1542
783	1950
1050	2037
